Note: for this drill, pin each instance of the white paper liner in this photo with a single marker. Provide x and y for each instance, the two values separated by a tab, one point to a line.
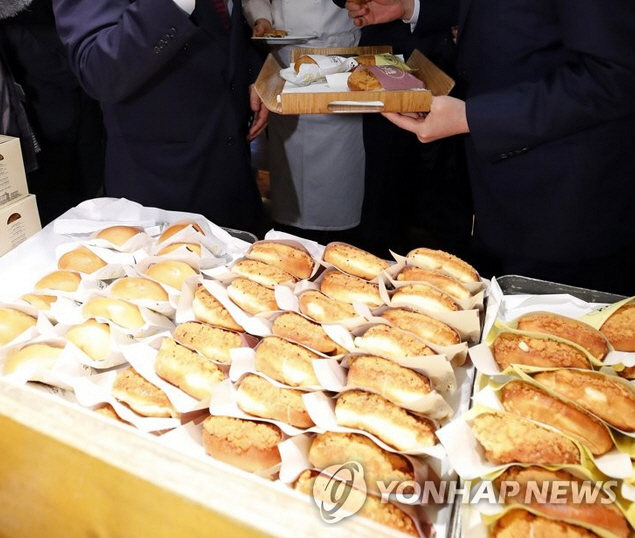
209	242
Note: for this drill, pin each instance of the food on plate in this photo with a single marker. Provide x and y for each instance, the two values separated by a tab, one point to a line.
92	337
425	327
445	262
214	343
80	259
391	342
118	235
274	32
620	328
13	323
257	396
141	396
60	281
293	326
349	289
286	362
119	311
510	348
262	273
423	297
382	77
321	308
354	260
252	297
246	444
442	281
172	273
42	356
173	229
520	524
292	259
138	288
210	310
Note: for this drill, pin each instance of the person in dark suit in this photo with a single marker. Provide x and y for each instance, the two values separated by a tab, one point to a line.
550	114
174	78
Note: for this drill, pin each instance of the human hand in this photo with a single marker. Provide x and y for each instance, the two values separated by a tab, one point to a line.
261	27
366	12
447	117
260	117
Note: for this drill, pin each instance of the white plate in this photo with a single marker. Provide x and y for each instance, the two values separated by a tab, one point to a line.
286	40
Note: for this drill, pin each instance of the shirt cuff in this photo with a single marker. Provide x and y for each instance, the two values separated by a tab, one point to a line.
416	8
186	5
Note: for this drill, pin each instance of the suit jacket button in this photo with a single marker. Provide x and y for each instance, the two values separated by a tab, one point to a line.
186	47
157	49
230	140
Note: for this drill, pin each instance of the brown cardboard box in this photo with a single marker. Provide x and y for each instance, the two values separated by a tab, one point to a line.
12	175
269	86
18	221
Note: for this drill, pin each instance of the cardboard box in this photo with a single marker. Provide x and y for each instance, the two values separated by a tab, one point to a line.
269	86
12	175
18	221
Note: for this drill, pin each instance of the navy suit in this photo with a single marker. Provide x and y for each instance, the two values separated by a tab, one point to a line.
174	93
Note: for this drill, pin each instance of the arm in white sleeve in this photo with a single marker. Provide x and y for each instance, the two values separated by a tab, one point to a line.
412	21
257	9
186	5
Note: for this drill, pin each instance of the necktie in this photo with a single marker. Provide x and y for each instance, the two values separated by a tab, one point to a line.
221	8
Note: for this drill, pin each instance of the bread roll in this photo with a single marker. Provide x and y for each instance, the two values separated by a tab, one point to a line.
521	524
349	289
191	372
173	229
382	77
354	261
256	396
331	448
118	235
249	445
423	297
321	308
120	312
527	400
293	326
302	60
60	281
390	423
13	323
444	262
81	259
509	438
392	342
262	273
567	328
291	259
92	337
620	328
425	327
142	396
170	272
208	309
391	380
40	301
252	297
385	513
607	397
437	279
138	288
42	356
286	362
108	411
214	343
192	247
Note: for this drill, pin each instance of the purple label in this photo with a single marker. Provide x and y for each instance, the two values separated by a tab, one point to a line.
392	78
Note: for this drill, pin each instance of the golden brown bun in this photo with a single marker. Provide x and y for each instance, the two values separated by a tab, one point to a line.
81	259
176	228
333	448
437	279
362	80
425	327
192	247
392	424
59	280
118	311
256	396
41	355
252	297
293	326
349	289
92	337
354	261
373	508
512	439
366	59
138	288
445	262
526	400
620	328
286	257
605	396
39	300
286	362
392	342
522	524
13	323
510	348
304	59
170	272
118	235
208	309
386	377
249	445
567	328
275	33
191	372
423	297
321	308
599	513
262	273
142	396
212	342
108	411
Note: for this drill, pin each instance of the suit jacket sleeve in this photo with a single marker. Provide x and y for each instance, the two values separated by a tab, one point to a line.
594	83
436	15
